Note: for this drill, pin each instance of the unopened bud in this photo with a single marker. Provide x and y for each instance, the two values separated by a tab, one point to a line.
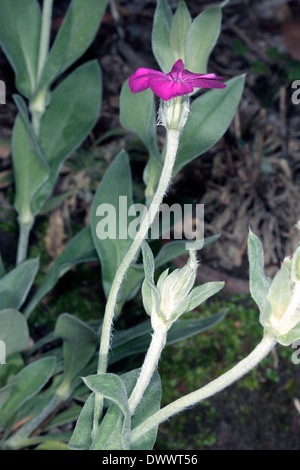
283	321
175	288
173	113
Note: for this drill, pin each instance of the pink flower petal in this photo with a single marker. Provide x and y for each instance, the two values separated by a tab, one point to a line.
206	83
177	82
177	67
167	89
200	80
139	81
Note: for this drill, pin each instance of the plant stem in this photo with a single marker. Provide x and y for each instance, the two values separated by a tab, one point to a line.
153	354
172	146
25	228
234	374
38	103
45	36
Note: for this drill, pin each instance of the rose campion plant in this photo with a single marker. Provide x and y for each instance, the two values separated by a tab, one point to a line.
71	365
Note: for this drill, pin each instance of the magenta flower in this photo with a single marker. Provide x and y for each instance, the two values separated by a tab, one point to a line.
175	83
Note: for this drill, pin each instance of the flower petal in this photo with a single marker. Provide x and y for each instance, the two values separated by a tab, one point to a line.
206	83
139	81
167	89
177	67
200	80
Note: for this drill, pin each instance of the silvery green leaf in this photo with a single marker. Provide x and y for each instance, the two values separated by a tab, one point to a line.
279	294
117	418
20	24
201	38
161	36
181	308
75	35
148	260
149	404
162	278
15	285
290	337
13	331
149	291
211	114
180	25
137	114
201	293
295	268
79	344
82	436
31	379
259	283
116	183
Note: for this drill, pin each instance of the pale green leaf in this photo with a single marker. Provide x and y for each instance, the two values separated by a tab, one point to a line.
79	344
137	114
210	116
161	36
20	23
180	25
109	217
70	117
259	283
15	285
201	38
77	32
30	381
80	249
13	331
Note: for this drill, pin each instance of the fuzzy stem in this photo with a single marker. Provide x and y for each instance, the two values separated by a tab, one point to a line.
38	104
172	146
45	36
24	228
157	344
234	374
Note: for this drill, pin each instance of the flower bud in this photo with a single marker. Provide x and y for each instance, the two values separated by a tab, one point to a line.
174	289
283	319
174	293
173	113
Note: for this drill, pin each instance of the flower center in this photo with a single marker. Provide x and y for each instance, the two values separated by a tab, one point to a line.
175	77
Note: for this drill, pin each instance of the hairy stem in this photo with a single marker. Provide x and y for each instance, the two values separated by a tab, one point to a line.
157	344
234	374
24	232
38	103
172	146
45	36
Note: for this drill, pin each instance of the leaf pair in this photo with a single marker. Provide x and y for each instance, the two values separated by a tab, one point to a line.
20	30
115	429
179	37
277	299
72	113
174	293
